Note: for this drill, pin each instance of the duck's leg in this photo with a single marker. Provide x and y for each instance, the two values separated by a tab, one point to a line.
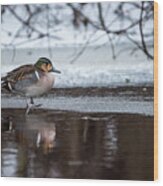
31	105
31	101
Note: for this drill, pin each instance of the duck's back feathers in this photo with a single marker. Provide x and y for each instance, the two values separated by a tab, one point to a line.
20	78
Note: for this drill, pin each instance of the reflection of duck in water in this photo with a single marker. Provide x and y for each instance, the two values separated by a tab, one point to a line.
31	80
26	143
44	131
46	138
34	131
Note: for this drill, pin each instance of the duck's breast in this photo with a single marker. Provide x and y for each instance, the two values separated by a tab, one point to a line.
44	84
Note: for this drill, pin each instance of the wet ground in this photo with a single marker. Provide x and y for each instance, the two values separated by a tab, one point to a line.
78	140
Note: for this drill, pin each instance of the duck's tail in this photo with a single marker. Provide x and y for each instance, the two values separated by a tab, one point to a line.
5	84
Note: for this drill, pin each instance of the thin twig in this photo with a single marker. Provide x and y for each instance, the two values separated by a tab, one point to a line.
82	50
141	33
105	29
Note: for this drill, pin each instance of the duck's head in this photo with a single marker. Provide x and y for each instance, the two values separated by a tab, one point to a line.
45	65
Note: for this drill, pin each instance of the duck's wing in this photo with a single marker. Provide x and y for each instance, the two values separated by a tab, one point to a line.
20	78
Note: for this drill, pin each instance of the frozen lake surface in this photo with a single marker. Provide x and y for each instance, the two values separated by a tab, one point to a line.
85	104
137	100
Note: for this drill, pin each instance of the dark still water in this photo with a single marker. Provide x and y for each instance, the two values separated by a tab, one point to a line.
60	144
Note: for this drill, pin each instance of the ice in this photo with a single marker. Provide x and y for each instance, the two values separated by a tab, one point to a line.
86	104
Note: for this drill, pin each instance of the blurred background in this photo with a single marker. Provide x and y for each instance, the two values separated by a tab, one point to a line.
94	44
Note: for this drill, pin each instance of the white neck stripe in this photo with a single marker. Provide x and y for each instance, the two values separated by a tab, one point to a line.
37	74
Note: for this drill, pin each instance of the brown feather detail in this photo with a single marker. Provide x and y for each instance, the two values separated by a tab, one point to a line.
20	73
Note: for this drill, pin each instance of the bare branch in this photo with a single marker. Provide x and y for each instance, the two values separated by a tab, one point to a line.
41	21
105	29
83	49
26	23
141	33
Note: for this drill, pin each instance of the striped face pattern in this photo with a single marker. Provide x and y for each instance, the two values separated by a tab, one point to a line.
46	67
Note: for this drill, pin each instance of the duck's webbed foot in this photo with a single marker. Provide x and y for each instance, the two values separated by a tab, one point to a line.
31	106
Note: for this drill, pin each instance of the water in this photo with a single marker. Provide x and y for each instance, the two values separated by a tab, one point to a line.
60	144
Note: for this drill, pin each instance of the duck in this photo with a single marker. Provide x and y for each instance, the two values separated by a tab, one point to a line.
31	80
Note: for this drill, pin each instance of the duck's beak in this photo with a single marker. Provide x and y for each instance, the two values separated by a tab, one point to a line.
55	70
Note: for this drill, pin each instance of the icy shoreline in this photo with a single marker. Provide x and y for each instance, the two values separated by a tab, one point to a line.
116	100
